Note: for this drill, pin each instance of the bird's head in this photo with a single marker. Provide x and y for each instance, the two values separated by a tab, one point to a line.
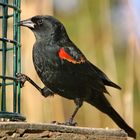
44	27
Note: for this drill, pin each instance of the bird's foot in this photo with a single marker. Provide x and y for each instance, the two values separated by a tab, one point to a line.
70	122
22	78
47	92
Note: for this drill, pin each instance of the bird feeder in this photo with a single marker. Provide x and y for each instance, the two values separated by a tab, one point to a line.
10	60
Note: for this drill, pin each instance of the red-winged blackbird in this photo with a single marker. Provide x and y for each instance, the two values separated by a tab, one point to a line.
65	71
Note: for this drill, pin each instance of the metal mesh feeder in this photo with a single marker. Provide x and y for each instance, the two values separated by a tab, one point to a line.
10	59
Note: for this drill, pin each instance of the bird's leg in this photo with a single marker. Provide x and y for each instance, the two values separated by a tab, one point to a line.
47	92
78	103
70	121
23	78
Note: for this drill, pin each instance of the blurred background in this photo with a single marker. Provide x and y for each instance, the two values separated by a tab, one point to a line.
108	33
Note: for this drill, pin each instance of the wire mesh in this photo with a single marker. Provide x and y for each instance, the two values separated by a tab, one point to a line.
10	51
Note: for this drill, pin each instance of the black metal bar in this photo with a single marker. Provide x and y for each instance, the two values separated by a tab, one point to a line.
11	116
14	58
4	46
5	4
9	40
7	84
7	16
8	78
19	57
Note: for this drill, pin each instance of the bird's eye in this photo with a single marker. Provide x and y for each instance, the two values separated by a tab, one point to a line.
39	22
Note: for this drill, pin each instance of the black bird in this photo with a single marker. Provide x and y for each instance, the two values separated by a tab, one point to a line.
65	71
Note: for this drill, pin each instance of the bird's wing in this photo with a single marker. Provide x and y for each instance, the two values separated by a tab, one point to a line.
75	56
104	77
82	68
71	54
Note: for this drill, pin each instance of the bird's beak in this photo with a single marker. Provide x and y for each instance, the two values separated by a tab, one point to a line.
27	23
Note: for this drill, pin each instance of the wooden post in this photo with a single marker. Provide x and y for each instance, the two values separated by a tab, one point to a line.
41	131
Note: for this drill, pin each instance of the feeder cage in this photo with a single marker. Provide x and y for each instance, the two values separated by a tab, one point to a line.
10	60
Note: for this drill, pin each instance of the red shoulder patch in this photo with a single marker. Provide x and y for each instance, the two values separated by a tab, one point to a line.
64	55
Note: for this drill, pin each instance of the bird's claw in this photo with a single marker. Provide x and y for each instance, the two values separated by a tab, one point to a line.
47	92
22	78
70	122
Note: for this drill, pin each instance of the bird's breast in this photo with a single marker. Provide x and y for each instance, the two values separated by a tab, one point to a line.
46	63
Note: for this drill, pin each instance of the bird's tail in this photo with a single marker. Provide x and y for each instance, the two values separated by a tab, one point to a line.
112	84
103	105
